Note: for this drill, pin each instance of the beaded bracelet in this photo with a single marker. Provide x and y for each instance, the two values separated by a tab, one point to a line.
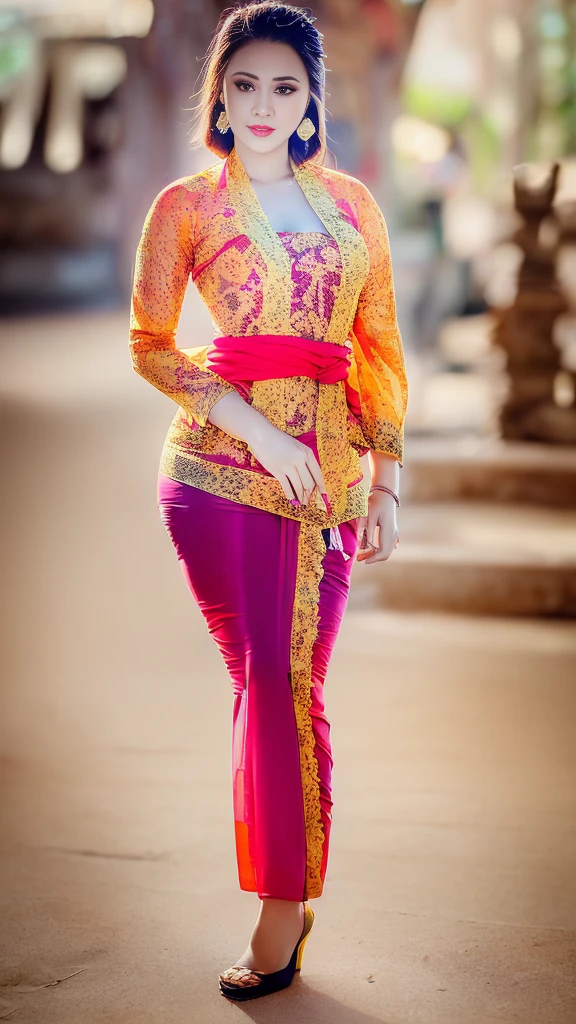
380	487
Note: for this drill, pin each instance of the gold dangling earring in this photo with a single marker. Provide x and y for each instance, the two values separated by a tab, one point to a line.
223	123
305	129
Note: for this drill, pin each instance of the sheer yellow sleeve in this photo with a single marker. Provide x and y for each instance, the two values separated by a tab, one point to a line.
164	259
376	341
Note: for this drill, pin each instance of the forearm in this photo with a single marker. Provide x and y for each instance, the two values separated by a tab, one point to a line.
384	470
235	416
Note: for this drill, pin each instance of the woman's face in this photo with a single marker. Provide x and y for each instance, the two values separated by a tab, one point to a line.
265	84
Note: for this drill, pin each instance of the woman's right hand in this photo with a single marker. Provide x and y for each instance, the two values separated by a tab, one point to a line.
292	463
289	460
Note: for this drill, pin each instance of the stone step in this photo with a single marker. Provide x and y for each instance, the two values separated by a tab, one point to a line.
476	557
472	467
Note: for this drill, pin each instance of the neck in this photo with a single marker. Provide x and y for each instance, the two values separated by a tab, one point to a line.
264	168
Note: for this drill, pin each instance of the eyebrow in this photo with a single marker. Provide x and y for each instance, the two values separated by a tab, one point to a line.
281	78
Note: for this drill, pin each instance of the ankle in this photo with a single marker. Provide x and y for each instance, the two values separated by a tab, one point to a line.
280	908
281	916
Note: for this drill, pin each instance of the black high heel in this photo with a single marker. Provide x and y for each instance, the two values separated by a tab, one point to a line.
277	979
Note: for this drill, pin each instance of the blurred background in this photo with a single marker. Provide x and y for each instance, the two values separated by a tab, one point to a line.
450	895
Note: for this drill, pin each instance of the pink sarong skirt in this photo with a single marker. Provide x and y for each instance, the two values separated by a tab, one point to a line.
274	609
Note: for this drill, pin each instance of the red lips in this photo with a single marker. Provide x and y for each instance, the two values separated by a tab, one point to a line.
260	129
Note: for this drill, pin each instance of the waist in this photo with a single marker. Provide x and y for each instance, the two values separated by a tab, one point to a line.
247	358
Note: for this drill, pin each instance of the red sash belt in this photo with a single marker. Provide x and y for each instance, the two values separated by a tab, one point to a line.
267	356
242	359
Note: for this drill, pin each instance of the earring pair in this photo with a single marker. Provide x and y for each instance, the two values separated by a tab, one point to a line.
304	131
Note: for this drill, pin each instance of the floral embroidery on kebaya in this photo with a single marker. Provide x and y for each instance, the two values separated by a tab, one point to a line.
253	280
316	275
331	286
334	286
348	212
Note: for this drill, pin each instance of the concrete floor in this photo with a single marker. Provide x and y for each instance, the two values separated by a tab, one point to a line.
451	894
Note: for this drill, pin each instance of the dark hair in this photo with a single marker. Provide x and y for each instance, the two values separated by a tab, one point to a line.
276	22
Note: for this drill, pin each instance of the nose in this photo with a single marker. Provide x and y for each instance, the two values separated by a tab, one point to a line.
263	106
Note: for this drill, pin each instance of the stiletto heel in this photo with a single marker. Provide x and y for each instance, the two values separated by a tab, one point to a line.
277	979
308	922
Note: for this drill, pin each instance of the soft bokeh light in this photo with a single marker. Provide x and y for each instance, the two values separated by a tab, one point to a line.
470	225
500	274
83	72
68	18
505	37
413	137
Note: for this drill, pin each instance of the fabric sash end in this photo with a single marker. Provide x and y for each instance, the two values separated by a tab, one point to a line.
336	542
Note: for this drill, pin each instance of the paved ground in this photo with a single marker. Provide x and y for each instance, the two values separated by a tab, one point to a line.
450	896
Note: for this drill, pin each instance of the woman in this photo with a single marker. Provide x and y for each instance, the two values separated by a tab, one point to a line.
260	482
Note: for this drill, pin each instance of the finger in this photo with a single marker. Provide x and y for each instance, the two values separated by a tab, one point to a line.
361	537
296	483
286	486
372	524
363	555
308	481
361	524
367	550
380	555
377	556
314	467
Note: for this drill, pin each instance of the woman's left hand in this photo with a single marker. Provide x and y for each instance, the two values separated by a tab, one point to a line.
381	529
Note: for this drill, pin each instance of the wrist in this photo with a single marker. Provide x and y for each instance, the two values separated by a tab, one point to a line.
256	428
386	491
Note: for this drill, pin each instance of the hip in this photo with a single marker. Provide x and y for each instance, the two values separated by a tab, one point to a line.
186	506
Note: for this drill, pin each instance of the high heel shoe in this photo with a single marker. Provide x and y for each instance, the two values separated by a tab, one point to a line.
277	979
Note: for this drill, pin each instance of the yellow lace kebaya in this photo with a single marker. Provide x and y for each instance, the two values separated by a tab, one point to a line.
335	287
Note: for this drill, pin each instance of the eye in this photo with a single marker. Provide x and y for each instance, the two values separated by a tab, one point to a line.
250	86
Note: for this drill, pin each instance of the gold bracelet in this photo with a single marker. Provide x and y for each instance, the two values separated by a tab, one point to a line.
381	487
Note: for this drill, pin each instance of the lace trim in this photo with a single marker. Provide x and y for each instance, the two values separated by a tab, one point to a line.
309	572
250	488
250	218
354	253
337	459
386	437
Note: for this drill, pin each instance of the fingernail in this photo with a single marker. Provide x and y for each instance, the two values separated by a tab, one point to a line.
327	503
294	501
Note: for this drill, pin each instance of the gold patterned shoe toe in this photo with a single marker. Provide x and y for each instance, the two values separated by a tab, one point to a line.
241	976
242	983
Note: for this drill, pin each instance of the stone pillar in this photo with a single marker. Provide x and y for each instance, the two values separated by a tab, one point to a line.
525	329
